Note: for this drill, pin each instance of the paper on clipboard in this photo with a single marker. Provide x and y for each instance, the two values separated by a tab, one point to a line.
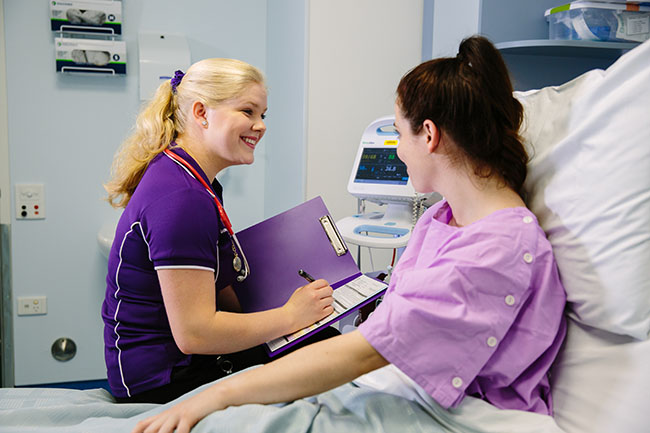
347	298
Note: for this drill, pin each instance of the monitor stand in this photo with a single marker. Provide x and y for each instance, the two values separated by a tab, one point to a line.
388	229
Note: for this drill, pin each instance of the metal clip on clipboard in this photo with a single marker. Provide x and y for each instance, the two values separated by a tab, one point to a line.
333	235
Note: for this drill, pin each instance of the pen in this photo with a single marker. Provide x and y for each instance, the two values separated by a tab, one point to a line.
306	276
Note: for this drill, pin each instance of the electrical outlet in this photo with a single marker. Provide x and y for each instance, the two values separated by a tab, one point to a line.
32	305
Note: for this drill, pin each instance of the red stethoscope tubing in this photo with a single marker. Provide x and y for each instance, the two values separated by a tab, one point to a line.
222	211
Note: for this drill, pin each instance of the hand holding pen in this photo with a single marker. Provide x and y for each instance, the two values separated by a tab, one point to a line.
306	276
311	279
311	302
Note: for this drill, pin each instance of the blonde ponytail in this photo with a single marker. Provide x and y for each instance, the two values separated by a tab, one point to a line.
210	81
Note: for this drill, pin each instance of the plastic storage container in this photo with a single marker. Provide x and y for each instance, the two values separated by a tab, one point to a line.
599	21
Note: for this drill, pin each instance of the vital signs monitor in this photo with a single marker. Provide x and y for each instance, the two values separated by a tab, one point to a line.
379	176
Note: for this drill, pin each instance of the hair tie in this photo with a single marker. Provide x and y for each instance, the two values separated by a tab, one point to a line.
176	79
462	59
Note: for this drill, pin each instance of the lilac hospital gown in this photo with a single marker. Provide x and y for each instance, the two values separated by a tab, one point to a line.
474	310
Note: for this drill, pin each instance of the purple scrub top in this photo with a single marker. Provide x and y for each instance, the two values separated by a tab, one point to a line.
170	222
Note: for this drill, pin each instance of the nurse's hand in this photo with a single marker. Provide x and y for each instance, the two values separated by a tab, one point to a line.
309	304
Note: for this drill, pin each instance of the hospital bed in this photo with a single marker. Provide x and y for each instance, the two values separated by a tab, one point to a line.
589	185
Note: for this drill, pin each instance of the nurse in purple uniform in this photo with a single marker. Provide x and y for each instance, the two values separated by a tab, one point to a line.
171	316
475	304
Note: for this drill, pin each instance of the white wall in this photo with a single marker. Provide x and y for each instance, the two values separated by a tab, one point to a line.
284	142
452	22
5	194
358	51
63	131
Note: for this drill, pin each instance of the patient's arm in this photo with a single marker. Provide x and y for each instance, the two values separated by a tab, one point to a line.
197	327
308	371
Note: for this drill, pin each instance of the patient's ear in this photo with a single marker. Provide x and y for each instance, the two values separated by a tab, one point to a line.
432	135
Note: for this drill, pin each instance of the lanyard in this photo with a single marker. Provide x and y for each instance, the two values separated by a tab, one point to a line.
222	211
236	262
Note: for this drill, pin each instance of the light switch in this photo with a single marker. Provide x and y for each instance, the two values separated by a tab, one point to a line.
30	201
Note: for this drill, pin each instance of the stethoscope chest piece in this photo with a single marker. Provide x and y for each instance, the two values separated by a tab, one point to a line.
236	264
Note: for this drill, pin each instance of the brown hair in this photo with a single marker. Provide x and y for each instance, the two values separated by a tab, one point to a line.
210	81
469	97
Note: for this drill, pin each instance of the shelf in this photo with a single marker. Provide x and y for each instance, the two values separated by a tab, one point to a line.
566	48
87	34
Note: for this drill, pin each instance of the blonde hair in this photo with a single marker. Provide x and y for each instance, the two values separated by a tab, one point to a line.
209	81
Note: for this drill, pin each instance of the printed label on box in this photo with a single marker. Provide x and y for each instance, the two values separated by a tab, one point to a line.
636	26
633	26
90	56
86	16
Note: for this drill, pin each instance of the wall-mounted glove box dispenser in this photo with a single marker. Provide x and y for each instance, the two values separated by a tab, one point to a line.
99	16
91	56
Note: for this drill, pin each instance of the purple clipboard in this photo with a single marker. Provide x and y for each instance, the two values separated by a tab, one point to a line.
278	247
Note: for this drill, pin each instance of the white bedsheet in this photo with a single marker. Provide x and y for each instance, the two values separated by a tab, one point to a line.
473	415
398	408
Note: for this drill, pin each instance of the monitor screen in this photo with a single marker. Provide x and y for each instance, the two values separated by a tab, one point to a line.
381	165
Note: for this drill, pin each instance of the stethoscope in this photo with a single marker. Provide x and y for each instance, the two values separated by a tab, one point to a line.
236	261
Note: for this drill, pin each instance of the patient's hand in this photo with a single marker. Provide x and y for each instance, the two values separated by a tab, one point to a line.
182	416
309	304
308	371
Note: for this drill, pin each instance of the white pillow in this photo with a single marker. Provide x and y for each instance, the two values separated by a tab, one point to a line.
601	383
589	185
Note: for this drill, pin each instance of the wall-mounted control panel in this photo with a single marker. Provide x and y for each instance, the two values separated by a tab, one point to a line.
30	201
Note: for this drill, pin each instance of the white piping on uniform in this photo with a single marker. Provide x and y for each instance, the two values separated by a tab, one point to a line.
203	268
179	163
144	238
190	173
117	309
216	274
